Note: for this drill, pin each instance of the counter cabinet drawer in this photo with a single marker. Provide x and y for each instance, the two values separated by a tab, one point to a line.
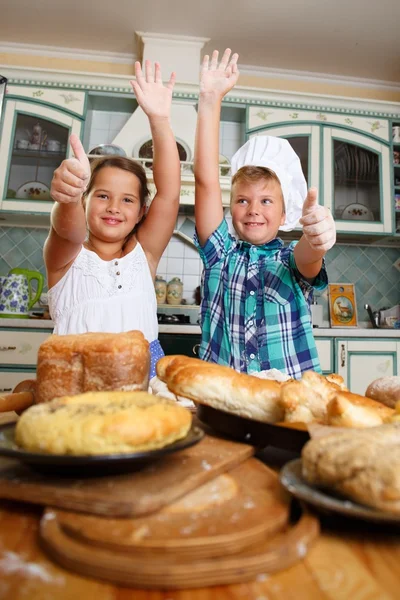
9	379
20	347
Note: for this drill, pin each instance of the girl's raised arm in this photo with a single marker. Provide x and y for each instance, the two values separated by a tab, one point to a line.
155	99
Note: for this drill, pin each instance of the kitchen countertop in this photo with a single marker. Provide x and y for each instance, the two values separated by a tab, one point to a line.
363	332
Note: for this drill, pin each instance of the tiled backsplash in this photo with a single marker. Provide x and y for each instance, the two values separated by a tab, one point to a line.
371	269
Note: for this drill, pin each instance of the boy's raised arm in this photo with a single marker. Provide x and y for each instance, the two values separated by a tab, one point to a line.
215	81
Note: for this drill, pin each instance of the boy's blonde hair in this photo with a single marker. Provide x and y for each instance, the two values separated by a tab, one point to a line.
252	174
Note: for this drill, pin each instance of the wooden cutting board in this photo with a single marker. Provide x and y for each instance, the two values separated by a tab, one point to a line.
227	531
131	494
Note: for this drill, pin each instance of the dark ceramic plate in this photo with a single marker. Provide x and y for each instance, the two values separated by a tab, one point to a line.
252	432
292	479
88	464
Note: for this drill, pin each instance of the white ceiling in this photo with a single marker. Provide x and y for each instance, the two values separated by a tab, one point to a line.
357	38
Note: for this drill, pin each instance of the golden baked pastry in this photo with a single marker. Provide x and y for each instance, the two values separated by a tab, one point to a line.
351	410
385	390
362	464
222	388
306	400
102	423
336	379
74	364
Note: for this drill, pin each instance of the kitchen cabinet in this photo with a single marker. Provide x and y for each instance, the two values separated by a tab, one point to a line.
34	141
325	349
396	173
180	343
348	158
361	361
18	355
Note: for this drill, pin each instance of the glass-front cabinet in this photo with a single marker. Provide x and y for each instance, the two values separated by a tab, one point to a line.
347	159
34	142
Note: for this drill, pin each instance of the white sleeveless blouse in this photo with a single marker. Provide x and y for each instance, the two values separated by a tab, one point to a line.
107	296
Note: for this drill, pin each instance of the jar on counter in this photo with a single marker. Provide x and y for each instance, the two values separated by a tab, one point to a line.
174	291
160	286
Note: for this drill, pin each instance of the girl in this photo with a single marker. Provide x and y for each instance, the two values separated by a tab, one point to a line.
101	254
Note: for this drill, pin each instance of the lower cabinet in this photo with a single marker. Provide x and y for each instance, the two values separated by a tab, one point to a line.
325	352
10	378
361	361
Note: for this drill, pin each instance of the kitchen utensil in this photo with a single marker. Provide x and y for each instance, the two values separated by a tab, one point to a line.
16	293
53	146
357	212
292	479
33	190
22	144
220	521
131	494
288	436
79	465
107	150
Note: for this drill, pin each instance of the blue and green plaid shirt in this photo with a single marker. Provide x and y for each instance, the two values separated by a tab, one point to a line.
255	312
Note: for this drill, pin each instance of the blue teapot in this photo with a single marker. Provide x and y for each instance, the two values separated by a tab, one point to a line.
16	294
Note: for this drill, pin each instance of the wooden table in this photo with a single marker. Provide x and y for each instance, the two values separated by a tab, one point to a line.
351	560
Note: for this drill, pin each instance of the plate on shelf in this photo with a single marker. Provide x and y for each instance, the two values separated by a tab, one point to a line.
357	212
84	465
292	480
33	190
224	170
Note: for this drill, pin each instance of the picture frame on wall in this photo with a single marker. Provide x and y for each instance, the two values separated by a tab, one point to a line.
342	305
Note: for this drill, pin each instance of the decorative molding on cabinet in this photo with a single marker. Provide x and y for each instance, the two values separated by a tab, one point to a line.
98	82
68	53
71	101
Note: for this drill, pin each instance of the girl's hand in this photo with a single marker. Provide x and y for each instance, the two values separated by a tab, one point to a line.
219	79
153	97
318	224
72	176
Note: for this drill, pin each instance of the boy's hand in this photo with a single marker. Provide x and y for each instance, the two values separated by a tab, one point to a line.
318	224
153	97
72	176
218	79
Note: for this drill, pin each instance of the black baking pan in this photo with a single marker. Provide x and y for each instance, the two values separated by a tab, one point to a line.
287	436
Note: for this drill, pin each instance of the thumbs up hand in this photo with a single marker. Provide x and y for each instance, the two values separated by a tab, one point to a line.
318	224
72	176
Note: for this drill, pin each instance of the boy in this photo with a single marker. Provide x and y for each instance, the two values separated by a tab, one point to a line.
256	293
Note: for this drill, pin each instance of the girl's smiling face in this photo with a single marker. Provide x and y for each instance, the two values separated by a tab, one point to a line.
113	206
258	210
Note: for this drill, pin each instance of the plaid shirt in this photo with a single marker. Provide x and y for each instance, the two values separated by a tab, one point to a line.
255	312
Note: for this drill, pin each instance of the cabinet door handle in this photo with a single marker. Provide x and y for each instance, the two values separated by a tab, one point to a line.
195	349
342	355
6	348
6	390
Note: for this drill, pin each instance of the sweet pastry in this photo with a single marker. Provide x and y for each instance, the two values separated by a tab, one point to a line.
74	364
385	390
222	388
102	423
351	410
362	464
306	400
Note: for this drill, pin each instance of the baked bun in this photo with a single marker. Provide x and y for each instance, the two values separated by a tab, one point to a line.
74	364
352	410
337	380
362	464
102	423
222	388
306	400
385	390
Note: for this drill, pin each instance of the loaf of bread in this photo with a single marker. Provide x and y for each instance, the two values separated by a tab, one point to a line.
362	464
102	423
385	390
352	410
74	364
222	388
306	400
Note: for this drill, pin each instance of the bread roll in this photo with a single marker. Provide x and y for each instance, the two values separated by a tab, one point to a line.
352	410
337	380
385	390
74	364
222	388
306	400
363	465
102	423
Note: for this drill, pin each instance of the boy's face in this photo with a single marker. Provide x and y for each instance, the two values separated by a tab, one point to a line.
258	210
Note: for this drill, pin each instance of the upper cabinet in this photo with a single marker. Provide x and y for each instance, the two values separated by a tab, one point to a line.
34	141
348	158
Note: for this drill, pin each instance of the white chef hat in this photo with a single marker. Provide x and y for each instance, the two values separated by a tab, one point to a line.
278	155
